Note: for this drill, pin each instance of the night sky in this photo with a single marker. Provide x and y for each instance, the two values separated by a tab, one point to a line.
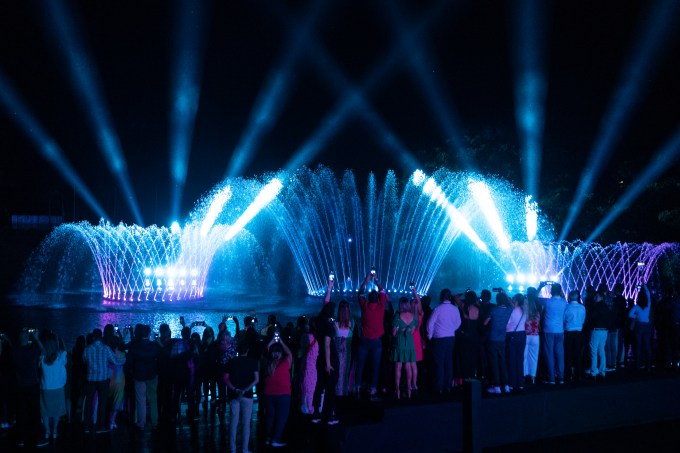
468	48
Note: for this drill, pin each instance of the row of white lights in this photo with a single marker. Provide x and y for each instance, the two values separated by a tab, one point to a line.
531	279
169	271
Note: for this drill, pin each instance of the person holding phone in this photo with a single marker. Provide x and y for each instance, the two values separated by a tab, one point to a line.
372	332
327	363
277	390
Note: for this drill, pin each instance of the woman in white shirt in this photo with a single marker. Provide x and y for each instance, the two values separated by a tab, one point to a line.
52	383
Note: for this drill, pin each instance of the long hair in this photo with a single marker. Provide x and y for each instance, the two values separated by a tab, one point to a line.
344	318
405	305
51	349
642	300
270	363
502	300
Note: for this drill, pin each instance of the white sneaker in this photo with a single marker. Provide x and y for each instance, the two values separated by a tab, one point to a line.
494	390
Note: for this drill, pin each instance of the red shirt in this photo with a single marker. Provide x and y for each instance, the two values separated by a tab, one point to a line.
372	317
279	382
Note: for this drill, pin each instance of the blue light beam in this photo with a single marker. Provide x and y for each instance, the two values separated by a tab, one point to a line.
84	82
530	87
646	57
659	164
352	100
20	114
272	98
185	94
420	62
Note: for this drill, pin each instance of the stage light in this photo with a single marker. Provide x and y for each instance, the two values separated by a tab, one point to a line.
185	92
216	206
420	61
175	228
636	76
268	193
85	85
147	271
480	192
510	278
530	86
659	164
352	100
159	271
20	114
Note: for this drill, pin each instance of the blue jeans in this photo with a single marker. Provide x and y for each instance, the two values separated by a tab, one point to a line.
554	355
370	350
278	408
442	354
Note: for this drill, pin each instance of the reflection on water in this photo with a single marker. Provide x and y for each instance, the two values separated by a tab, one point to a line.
70	315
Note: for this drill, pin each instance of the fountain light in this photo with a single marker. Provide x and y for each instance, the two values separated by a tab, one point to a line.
268	193
216	206
418	178
175	228
531	209
432	189
480	191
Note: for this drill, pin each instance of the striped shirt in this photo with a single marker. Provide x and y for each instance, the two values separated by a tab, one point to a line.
97	356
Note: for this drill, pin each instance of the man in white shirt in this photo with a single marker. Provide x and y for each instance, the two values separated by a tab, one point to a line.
441	331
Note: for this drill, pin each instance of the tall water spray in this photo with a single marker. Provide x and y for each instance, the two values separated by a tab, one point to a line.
406	233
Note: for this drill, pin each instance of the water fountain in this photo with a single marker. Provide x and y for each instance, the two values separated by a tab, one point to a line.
477	231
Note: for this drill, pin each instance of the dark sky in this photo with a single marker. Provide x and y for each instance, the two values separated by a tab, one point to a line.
469	47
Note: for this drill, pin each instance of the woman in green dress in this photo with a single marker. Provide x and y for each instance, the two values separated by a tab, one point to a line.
404	352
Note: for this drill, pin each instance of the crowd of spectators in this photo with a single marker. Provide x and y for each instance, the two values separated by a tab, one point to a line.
372	351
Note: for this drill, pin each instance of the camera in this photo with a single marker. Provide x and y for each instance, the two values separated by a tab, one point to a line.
547	282
497	290
155	336
230	318
115	328
372	270
638	287
412	285
331	276
277	336
31	331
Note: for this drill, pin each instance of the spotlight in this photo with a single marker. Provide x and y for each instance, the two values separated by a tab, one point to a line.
175	228
509	278
636	76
